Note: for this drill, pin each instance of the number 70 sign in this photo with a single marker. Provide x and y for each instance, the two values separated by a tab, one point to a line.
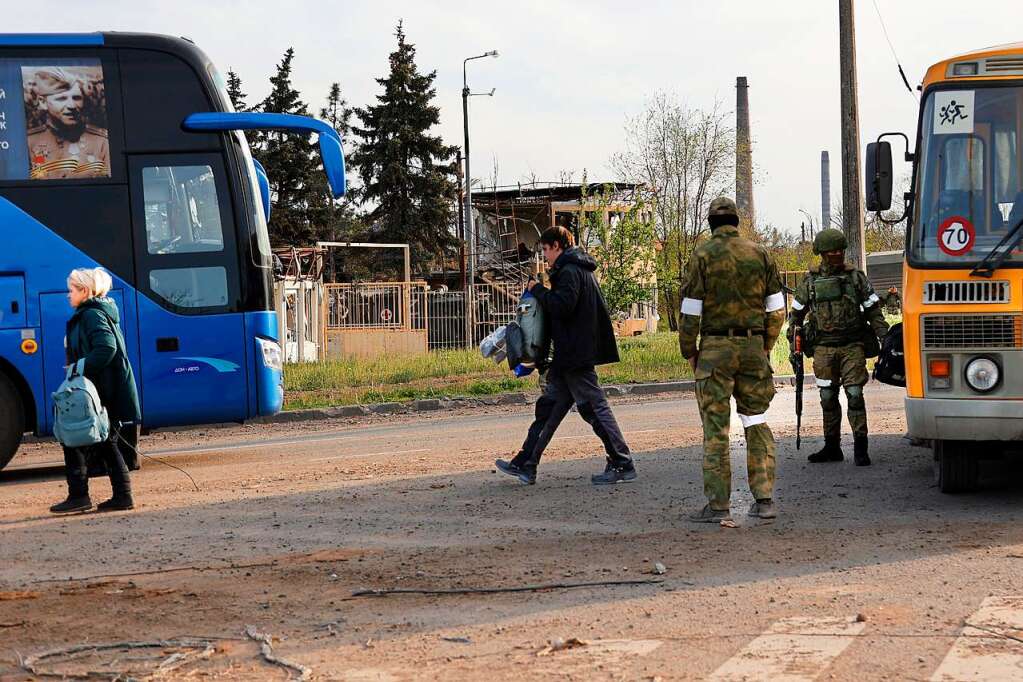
956	236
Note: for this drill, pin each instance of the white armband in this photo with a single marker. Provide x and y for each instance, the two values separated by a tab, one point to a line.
871	301
692	306
775	302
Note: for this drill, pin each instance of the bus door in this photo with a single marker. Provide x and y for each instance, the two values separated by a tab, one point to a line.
54	312
191	333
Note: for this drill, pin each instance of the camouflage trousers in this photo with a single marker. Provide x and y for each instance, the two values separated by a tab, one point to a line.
736	367
841	366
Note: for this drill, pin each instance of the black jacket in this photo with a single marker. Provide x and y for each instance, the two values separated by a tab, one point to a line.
93	334
579	323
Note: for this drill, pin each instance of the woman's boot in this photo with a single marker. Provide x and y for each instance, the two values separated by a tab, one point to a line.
119	481
77	484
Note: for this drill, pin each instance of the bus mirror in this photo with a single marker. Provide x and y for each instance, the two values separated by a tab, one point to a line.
331	152
879	176
263	180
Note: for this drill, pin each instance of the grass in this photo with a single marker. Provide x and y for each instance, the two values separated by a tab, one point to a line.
647	358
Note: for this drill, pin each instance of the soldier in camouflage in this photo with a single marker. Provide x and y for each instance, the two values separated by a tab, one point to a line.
735	305
843	311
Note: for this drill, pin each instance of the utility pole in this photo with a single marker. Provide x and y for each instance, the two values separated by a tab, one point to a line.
852	193
461	218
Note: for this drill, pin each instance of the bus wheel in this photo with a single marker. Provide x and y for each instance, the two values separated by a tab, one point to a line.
12	420
955	468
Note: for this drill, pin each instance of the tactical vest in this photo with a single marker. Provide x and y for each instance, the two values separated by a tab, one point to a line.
836	308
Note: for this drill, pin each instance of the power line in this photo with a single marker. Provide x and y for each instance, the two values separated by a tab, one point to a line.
898	62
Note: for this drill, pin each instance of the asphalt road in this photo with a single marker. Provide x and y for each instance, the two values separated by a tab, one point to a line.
868	573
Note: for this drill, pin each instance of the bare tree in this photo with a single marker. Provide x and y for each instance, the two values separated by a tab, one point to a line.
686	158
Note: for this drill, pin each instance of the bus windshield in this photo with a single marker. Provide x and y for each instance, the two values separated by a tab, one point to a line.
969	175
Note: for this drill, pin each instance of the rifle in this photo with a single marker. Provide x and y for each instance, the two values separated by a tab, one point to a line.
796	358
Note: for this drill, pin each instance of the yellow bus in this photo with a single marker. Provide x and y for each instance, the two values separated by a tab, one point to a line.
963	275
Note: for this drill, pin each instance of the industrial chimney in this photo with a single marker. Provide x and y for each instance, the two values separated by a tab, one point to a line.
743	153
825	191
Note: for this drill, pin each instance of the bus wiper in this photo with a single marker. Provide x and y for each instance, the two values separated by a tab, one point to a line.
996	256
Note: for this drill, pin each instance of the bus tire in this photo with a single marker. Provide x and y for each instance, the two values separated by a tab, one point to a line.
956	469
12	420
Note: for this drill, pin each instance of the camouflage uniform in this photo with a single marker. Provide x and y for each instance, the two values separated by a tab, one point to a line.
844	308
734	302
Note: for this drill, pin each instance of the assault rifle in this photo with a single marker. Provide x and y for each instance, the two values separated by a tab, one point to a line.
796	358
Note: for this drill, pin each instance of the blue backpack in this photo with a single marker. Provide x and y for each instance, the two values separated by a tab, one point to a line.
79	418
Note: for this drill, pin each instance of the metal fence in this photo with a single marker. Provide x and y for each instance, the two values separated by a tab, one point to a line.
375	305
452	319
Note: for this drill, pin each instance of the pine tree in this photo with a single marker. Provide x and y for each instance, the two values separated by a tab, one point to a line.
337	112
339	217
407	174
291	161
234	91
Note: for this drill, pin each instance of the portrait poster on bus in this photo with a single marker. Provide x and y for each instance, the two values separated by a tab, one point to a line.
53	120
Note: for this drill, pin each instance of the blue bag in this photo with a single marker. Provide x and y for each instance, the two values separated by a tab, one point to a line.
79	418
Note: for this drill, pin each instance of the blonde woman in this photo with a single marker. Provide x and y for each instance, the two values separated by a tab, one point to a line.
94	334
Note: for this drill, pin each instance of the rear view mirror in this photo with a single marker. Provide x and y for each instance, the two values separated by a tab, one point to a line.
330	142
879	176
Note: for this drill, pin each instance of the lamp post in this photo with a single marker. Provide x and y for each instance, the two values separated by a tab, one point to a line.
469	220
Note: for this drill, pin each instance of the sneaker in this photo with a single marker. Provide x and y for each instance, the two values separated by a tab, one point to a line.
72	505
763	509
613	474
116	504
708	515
525	475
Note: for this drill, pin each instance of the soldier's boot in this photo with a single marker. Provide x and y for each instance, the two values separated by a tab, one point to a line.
763	509
860	455
710	515
831	452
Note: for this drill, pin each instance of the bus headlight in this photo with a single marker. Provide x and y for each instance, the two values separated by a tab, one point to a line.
272	356
982	374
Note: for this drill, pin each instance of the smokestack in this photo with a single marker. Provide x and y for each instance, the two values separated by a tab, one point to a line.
825	191
743	153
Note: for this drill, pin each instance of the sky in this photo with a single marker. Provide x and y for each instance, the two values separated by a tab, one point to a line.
570	73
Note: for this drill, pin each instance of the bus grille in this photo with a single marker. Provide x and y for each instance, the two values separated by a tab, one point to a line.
967	292
972	331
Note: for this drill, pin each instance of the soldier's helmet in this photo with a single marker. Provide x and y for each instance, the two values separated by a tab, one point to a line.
722	206
829	240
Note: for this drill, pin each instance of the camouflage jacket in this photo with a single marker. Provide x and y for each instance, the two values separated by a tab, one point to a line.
731	283
840	299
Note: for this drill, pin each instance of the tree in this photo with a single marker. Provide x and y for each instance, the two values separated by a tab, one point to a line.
406	173
234	91
292	164
622	243
339	217
686	157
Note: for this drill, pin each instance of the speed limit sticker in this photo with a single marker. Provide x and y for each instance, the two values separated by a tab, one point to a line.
956	236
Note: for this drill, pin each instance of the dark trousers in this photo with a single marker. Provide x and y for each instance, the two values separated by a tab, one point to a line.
581	387
76	465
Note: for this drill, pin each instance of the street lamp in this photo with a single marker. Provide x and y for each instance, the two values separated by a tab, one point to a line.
470	222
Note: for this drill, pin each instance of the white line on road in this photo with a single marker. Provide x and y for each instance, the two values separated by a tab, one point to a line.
985	649
792	650
370	454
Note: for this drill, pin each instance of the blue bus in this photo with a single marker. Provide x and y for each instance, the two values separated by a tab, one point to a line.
123	151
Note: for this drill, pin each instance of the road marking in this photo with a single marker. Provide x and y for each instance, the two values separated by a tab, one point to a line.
369	454
792	650
990	646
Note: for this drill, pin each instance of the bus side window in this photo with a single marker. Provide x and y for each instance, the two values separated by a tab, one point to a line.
182	210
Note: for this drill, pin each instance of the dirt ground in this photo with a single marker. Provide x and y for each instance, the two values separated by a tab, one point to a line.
290	522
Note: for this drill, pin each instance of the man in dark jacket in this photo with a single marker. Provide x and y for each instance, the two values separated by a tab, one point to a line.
580	329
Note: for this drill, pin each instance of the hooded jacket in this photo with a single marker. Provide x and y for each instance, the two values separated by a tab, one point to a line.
578	319
93	333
